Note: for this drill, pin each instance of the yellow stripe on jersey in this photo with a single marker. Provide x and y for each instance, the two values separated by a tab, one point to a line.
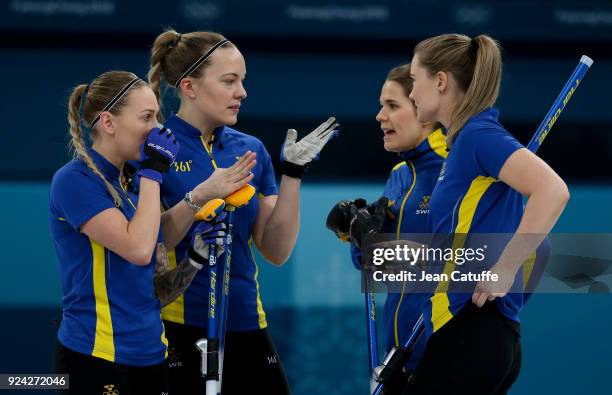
528	268
399	303
399	226
209	152
401	211
124	189
440	312
104	345
260	311
164	340
174	311
398	166
437	142
470	201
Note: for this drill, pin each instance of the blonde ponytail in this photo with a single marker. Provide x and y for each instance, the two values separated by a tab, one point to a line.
163	44
483	90
475	63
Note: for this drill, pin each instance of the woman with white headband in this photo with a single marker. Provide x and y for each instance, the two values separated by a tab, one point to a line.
111	338
207	72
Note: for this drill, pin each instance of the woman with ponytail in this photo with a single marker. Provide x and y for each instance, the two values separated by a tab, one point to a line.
207	71
474	338
111	338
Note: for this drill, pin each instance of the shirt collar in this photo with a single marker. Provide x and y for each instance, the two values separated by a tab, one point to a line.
488	114
104	165
420	150
179	125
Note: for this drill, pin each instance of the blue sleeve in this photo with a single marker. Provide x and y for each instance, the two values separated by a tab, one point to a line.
267	186
491	149
78	197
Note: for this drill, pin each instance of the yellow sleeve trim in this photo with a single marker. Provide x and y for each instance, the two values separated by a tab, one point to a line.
437	142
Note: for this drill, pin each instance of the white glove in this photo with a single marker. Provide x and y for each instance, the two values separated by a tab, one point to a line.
297	155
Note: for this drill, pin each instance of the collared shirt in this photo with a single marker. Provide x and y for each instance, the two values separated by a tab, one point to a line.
469	198
110	310
196	161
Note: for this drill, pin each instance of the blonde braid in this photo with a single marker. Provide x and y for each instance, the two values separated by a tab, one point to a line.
77	144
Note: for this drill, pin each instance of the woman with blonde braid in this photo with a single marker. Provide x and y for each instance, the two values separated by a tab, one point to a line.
111	337
105	223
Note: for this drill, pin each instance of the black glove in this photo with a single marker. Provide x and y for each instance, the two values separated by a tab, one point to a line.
351	219
340	216
367	220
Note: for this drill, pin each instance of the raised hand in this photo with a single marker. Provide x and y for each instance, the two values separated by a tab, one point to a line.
157	153
296	156
224	181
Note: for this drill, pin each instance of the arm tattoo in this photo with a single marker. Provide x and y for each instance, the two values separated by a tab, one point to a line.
171	283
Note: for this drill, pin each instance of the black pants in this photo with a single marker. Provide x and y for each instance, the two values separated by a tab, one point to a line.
250	364
478	352
95	376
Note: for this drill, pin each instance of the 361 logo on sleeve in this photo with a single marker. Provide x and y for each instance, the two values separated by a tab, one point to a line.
182	166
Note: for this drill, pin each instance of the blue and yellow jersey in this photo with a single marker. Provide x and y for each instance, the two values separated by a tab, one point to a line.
409	189
196	161
469	198
110	310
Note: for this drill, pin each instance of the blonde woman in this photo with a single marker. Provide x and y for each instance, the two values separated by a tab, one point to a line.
105	222
206	71
111	337
474	340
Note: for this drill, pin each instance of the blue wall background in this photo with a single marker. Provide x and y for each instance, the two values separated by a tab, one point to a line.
314	301
283	89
